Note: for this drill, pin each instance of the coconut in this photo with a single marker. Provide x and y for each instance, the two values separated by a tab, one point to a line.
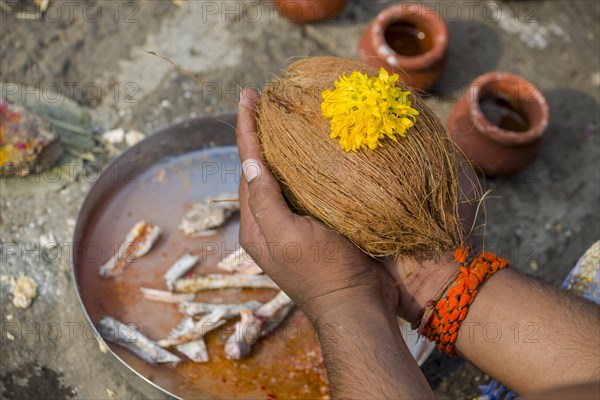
400	199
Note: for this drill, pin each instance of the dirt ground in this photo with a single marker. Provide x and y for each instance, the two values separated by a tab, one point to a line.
543	218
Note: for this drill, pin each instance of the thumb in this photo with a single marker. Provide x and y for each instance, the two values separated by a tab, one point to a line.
265	200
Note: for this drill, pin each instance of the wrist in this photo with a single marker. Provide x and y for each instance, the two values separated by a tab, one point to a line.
371	291
363	343
353	312
419	281
344	325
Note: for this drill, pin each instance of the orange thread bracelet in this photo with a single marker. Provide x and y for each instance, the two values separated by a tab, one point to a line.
450	312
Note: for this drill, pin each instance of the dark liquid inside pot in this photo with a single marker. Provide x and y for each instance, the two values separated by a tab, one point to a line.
408	39
504	112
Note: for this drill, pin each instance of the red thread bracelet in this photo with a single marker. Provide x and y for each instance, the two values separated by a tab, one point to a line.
450	312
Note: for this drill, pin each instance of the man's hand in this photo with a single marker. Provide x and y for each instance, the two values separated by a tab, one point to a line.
349	297
318	268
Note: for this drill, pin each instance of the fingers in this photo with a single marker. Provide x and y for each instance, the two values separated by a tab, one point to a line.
246	136
248	148
265	200
250	237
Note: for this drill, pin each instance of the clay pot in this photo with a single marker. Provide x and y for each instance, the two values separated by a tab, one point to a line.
408	39
306	11
499	122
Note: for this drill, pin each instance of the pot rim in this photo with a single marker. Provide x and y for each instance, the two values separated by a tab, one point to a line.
414	13
529	94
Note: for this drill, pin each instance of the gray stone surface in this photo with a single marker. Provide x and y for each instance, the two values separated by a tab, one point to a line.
543	218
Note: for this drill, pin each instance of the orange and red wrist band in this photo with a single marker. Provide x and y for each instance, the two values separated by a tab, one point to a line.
446	318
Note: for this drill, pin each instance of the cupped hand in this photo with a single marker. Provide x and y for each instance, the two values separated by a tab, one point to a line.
316	267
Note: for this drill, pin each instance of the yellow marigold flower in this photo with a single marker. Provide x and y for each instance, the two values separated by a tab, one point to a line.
364	111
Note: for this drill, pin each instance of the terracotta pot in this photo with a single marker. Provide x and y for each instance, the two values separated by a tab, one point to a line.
497	146
408	39
306	11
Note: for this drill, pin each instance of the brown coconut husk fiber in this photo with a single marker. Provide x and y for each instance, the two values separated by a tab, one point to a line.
400	199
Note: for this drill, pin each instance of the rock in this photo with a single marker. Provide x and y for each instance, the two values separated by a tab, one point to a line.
102	346
114	136
533	265
133	137
48	241
24	291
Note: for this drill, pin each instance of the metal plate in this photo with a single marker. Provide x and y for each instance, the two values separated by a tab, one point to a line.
196	159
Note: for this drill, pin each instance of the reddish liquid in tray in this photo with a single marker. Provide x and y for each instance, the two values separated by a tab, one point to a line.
287	364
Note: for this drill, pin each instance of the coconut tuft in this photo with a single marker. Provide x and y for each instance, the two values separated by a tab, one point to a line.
401	199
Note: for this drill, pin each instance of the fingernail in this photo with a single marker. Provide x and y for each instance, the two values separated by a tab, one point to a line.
251	93
252	169
248	96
